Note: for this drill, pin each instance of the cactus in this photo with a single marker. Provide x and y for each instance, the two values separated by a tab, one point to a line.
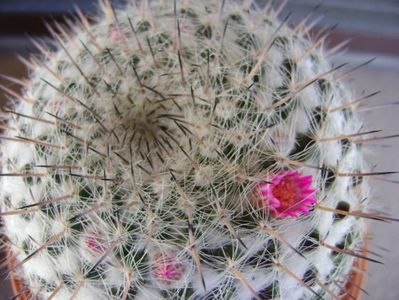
189	150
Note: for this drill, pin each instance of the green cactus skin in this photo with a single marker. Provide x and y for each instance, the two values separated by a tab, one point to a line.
131	158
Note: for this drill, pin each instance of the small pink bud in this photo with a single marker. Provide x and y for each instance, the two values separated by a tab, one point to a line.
288	194
167	269
116	35
95	243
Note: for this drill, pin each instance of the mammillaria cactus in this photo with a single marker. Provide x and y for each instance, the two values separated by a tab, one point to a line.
187	150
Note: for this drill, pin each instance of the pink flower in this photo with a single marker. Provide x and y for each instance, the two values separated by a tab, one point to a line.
167	269
288	194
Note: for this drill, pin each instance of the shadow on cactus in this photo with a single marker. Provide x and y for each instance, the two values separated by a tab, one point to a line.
195	150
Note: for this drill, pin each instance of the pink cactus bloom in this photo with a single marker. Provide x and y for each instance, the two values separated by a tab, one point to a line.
166	269
288	194
95	243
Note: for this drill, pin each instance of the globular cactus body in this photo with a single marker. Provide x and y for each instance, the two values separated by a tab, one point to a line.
190	151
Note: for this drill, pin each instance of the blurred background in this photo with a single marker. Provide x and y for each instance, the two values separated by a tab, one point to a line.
371	28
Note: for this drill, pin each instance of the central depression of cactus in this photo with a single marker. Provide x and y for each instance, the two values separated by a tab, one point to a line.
136	157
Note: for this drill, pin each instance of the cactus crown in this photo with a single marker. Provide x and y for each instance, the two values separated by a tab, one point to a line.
177	151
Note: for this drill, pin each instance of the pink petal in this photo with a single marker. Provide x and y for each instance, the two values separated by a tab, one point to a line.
288	194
